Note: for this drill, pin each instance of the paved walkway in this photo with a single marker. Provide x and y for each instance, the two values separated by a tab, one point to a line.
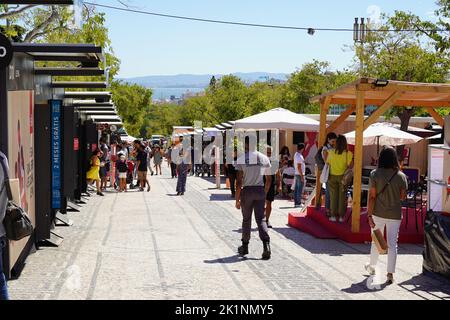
155	245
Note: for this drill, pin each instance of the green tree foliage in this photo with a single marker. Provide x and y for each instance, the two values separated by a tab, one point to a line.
133	103
404	56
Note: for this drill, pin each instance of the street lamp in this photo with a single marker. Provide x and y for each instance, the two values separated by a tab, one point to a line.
360	31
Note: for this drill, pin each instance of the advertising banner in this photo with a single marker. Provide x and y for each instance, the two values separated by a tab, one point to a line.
56	153
21	156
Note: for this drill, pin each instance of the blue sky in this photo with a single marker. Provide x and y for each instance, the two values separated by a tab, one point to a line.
149	45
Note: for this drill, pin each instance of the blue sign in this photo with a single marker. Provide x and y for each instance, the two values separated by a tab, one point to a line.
56	153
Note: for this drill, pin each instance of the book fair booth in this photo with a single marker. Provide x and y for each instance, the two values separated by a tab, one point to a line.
432	205
48	134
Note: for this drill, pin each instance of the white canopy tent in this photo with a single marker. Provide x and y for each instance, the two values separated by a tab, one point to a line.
278	118
384	134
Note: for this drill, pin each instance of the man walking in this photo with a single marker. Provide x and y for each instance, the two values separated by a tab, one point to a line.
300	169
251	195
3	204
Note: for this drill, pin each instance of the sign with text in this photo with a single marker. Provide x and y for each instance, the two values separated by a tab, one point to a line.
56	153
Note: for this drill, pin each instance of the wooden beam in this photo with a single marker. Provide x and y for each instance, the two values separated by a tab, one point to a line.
382	109
407	87
436	116
344	115
399	103
324	106
358	157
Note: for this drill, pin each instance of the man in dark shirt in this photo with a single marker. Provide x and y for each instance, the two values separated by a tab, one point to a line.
141	161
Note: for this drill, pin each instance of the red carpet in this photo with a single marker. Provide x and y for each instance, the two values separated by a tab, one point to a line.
317	224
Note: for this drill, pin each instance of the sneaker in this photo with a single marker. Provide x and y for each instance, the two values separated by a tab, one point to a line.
369	269
333	219
148	188
341	220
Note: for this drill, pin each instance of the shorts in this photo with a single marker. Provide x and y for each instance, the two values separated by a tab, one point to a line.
142	175
103	172
271	194
122	175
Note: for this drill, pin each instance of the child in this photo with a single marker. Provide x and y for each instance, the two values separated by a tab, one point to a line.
288	178
122	168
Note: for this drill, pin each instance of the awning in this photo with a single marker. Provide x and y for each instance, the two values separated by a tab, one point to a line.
278	118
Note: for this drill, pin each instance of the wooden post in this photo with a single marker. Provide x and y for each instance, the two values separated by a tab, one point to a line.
324	106
358	157
436	116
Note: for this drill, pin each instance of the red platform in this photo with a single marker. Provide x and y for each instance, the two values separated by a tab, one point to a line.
317	224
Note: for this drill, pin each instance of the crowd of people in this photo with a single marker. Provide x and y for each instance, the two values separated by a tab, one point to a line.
132	163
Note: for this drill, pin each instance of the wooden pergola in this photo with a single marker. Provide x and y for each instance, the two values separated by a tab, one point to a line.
381	93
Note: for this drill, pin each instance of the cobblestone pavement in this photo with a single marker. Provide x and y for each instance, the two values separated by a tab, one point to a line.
156	245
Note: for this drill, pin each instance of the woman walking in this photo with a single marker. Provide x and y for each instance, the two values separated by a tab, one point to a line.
329	145
339	160
388	188
94	172
157	159
183	169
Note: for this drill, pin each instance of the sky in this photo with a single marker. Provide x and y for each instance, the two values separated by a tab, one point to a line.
149	45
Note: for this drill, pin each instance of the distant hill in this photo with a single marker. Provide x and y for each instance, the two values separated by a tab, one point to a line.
199	81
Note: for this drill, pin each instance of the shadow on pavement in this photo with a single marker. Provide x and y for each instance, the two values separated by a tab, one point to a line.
364	286
428	284
220	197
335	247
240	230
228	260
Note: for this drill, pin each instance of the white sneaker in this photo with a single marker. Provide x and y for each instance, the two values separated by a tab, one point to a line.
341	220
369	269
333	219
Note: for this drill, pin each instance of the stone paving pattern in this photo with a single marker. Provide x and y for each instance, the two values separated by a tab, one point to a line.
155	245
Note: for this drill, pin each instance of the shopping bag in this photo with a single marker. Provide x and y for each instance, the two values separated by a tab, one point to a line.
325	173
380	242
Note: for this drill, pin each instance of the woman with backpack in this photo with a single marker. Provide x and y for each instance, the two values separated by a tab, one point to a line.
387	189
339	160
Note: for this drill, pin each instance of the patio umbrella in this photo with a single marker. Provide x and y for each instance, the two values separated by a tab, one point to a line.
384	134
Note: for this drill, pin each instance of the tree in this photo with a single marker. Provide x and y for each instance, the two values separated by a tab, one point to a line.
312	79
133	104
402	56
228	100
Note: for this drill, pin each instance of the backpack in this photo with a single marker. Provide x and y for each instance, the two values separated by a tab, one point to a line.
320	162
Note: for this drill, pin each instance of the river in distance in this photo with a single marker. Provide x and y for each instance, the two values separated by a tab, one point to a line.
167	93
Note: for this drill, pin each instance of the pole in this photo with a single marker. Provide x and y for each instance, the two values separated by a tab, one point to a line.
217	164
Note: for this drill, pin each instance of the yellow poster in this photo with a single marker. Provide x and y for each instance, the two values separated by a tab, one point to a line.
21	156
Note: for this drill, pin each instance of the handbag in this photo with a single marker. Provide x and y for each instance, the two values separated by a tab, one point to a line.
380	242
16	222
325	173
347	179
